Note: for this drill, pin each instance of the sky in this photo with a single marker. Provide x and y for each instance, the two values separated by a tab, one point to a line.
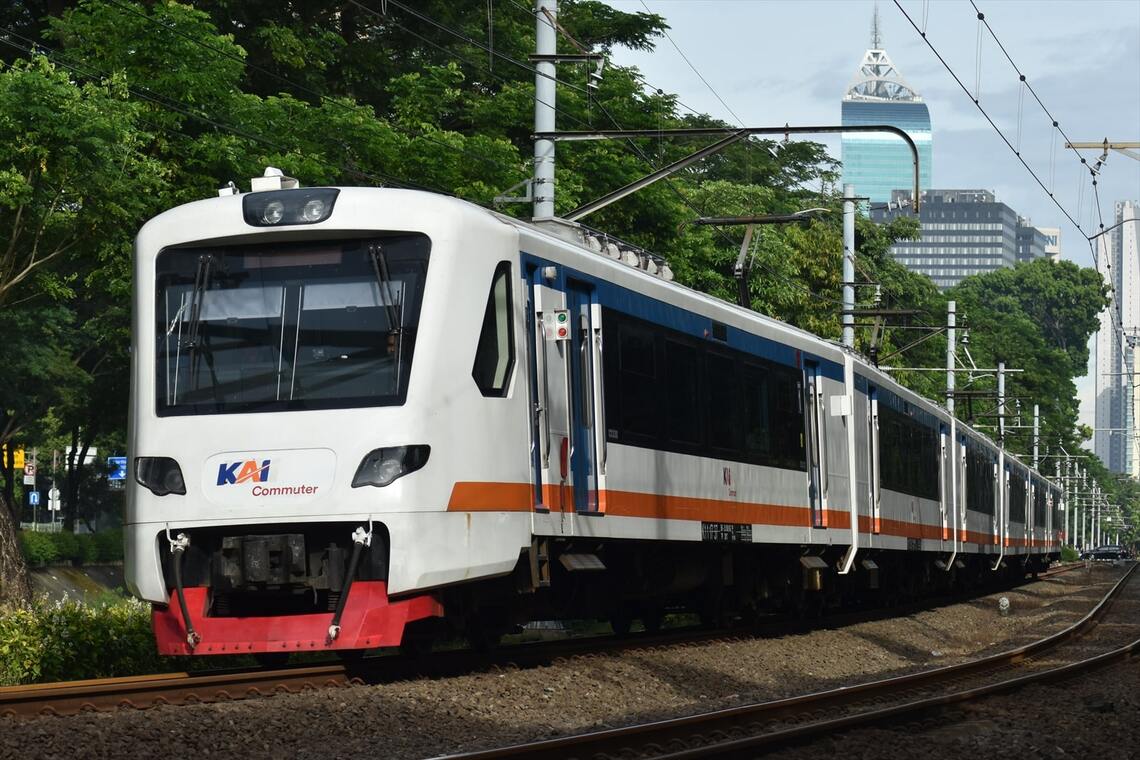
790	61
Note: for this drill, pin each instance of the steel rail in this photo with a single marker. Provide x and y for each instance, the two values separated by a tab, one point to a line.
142	692
69	697
658	738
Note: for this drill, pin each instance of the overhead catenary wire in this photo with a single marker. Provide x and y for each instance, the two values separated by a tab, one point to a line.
992	123
700	76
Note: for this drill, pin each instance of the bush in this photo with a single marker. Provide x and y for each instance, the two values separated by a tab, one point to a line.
66	548
39	548
1069	554
69	640
109	545
86	550
81	548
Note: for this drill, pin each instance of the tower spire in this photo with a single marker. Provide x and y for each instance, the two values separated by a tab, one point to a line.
876	38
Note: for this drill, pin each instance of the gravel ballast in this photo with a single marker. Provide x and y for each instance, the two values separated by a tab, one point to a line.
424	718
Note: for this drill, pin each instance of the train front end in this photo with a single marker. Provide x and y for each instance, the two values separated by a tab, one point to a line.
301	391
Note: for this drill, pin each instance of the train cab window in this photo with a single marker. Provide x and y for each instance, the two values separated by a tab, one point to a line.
287	326
494	356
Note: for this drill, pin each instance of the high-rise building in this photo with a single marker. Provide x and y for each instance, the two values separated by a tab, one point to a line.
1031	241
1117	437
964	232
877	163
1052	242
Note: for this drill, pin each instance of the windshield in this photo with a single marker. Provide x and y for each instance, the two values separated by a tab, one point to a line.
276	327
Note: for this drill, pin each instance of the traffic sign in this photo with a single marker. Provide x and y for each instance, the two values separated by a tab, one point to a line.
34	498
29	474
17	456
117	467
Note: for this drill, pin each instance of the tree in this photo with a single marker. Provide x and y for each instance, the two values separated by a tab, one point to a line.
72	179
1037	317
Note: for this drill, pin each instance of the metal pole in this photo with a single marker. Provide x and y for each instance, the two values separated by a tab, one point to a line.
951	351
849	265
1069	507
546	43
1001	403
1036	428
1057	476
1085	510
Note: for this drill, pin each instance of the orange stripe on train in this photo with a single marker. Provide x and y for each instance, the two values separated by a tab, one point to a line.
519	497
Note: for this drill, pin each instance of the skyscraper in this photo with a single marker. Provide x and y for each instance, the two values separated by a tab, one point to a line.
1116	439
877	163
964	232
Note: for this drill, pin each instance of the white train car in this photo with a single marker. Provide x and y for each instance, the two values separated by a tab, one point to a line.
362	415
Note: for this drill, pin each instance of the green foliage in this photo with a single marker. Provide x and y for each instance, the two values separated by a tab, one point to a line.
38	548
1038	317
80	549
69	640
109	545
1069	554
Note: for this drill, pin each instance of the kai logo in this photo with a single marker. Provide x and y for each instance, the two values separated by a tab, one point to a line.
243	472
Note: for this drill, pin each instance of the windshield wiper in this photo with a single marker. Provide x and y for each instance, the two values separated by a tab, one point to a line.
201	283
194	344
392	305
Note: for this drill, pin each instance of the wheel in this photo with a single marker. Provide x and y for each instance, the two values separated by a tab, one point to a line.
621	621
652	619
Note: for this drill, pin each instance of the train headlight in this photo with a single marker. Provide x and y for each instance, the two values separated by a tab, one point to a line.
161	475
274	208
382	466
313	210
273	212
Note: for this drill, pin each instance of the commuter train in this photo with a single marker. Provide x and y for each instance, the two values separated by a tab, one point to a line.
364	417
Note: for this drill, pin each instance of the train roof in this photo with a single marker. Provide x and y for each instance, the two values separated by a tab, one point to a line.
224	218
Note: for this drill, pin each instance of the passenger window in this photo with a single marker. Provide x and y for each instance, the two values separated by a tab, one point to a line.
640	413
682	366
720	372
757	422
494	356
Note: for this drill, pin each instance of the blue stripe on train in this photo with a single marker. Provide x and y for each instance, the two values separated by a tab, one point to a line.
675	318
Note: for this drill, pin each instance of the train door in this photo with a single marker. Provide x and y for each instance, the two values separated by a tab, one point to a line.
816	445
584	380
1007	493
551	334
963	502
873	459
945	473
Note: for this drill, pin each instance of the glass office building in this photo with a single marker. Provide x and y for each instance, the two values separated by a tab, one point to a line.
877	163
964	232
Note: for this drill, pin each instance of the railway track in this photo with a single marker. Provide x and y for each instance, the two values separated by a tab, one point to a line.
141	692
746	730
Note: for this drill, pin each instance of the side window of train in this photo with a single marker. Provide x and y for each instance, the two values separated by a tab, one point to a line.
495	355
637	384
721	374
682	384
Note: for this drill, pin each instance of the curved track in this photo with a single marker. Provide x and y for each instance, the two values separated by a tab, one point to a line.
65	698
743	731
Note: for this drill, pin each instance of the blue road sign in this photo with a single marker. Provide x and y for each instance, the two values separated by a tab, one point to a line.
118	468
34	498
